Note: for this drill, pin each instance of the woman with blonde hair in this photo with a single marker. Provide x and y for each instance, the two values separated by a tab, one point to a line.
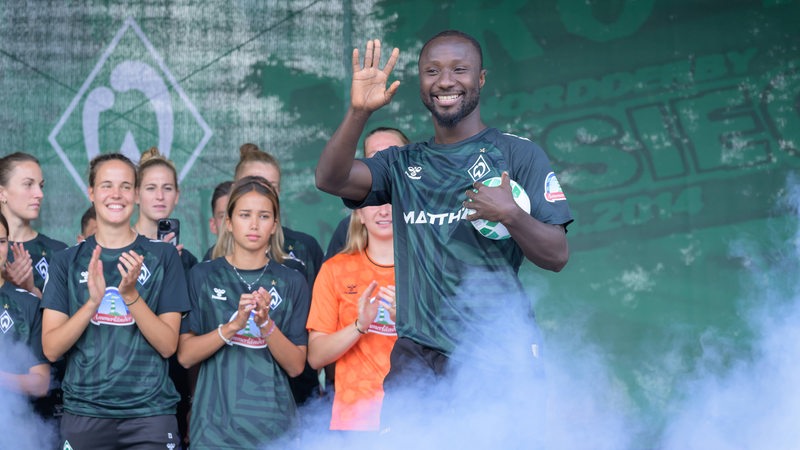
351	321
157	196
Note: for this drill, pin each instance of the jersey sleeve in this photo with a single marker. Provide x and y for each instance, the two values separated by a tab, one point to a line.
188	260
173	296
55	295
338	240
323	315
531	168
315	256
295	328
193	322
381	190
35	344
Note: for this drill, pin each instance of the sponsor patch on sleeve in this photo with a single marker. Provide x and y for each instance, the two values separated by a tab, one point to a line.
552	189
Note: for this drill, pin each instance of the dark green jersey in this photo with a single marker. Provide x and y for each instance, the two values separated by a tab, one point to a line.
41	249
112	371
242	399
20	330
304	249
304	253
450	277
188	260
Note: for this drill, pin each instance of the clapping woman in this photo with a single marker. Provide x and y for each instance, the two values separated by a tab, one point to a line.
112	308
246	330
21	194
351	321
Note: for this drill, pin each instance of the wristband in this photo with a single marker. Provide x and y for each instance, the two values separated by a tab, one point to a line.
221	336
271	329
131	303
355	324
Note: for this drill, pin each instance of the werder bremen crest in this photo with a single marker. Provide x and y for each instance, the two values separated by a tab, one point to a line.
130	91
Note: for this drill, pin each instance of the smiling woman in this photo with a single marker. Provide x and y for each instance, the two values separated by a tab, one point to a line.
124	332
157	196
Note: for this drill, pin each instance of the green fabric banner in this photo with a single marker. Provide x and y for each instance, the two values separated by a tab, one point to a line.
674	127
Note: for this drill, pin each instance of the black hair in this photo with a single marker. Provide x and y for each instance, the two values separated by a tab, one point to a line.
459	34
221	190
89	214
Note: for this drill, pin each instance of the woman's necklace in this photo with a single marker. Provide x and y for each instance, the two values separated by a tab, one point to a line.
250	285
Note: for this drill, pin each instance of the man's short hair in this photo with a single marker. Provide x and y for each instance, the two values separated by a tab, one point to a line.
221	190
455	33
89	214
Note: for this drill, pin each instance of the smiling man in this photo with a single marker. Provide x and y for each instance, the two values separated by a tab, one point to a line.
442	262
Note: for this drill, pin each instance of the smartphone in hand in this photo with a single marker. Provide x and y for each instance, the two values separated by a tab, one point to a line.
167	226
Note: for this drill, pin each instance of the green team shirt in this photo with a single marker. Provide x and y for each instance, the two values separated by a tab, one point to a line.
242	399
305	253
20	330
112	371
304	249
449	277
41	249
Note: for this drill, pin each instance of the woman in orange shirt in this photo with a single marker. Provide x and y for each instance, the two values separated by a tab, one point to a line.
351	321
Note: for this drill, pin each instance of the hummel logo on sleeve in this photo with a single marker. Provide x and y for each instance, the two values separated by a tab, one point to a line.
219	294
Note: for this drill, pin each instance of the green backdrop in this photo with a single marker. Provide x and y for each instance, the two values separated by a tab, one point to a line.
674	127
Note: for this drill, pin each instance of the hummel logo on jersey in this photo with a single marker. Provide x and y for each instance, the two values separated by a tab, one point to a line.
413	172
41	267
144	275
479	169
275	298
219	294
84	277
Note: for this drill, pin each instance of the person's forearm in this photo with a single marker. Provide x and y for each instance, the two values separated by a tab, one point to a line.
324	349
543	244
60	332
160	331
338	156
193	349
34	383
291	357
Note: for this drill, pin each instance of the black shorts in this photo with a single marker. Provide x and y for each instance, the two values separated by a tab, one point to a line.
143	433
414	367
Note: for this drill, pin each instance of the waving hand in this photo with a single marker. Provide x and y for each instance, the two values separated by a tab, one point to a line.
368	91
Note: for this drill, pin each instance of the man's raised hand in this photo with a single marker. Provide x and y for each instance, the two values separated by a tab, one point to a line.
368	91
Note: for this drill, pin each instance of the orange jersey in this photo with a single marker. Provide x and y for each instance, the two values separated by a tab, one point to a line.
360	371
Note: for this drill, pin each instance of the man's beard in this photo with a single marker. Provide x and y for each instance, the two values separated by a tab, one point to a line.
452	119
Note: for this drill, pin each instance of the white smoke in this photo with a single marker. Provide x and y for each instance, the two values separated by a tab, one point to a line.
507	388
740	394
752	402
21	427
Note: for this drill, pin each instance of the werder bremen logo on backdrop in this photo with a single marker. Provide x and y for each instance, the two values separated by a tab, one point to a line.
129	102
